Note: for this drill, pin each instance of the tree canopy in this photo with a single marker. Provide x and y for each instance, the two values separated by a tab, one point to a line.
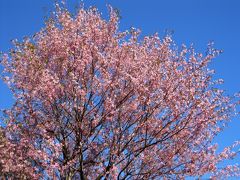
93	102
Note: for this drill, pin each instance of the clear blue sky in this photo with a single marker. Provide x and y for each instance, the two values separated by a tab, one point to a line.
193	21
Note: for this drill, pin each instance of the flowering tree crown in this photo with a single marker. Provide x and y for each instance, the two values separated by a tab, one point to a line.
93	102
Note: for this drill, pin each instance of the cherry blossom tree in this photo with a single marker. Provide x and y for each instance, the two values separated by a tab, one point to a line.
93	102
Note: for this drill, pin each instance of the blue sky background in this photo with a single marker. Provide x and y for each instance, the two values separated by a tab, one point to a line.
193	21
